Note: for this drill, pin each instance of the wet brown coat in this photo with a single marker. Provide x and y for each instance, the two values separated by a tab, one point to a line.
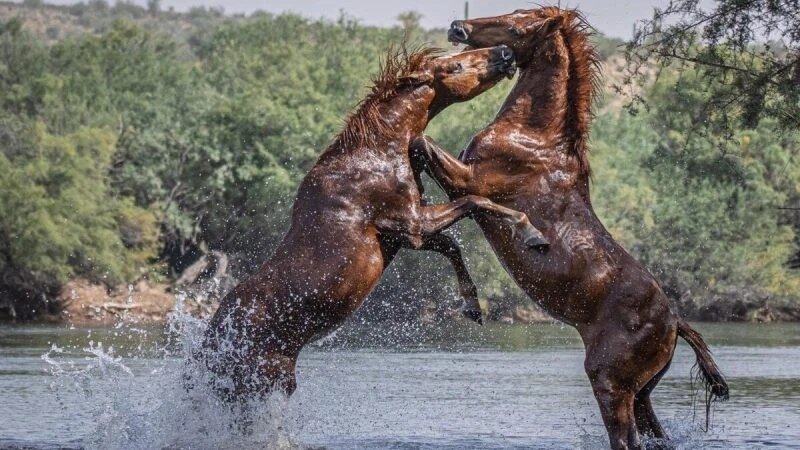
354	210
533	158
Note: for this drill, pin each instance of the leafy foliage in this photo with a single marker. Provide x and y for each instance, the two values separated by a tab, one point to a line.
62	220
703	214
748	52
136	145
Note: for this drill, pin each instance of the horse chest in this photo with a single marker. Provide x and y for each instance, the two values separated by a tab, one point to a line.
385	177
394	190
480	148
498	143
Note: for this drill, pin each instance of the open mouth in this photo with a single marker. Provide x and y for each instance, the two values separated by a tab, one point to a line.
511	70
508	69
457	35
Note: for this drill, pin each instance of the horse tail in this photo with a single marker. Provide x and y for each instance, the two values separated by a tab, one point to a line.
714	382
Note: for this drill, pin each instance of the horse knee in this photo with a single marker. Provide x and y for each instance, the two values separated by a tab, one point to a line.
476	202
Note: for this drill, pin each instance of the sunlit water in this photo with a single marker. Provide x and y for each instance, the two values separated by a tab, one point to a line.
454	385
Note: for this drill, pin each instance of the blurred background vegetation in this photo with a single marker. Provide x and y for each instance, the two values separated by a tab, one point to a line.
134	140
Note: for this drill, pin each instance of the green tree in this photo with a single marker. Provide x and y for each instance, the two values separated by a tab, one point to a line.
150	139
64	223
747	51
701	214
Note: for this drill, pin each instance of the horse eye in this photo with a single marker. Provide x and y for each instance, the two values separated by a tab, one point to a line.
457	67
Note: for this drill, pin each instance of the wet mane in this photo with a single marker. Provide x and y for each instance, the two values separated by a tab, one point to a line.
365	126
583	82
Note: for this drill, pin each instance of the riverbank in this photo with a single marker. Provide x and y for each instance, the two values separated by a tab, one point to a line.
85	303
88	304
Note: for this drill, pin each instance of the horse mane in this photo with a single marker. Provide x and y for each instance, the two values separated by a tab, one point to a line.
583	83
365	126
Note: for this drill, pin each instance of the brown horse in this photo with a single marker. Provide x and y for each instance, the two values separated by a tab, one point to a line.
533	158
355	209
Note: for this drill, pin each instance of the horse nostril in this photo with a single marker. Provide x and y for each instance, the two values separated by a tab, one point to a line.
506	53
503	54
457	32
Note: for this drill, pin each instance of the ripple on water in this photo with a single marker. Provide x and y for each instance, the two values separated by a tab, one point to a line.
125	388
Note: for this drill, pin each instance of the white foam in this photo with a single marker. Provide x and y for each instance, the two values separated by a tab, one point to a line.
166	402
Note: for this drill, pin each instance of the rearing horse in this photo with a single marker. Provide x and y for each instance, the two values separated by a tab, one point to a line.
354	210
533	158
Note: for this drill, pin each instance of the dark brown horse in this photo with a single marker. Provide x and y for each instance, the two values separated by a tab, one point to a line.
533	158
355	209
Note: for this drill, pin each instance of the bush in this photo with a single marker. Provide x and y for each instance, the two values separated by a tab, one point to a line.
62	220
120	147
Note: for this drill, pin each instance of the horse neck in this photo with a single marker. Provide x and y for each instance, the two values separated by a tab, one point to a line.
384	126
407	115
539	107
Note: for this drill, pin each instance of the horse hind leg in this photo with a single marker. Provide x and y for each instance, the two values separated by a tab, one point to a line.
648	424
646	420
262	375
623	378
615	397
280	372
615	374
616	408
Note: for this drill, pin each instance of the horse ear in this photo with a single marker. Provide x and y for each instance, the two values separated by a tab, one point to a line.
546	27
417	78
552	24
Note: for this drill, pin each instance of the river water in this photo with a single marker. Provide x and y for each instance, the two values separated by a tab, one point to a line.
448	386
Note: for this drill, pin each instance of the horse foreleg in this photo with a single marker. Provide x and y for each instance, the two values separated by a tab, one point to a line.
423	222
448	247
452	175
435	218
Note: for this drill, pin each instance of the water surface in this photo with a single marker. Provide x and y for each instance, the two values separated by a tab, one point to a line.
455	386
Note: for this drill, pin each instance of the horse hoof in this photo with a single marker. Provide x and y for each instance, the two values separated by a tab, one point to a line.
475	315
538	243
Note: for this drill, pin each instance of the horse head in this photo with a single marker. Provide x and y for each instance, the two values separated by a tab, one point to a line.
463	76
524	31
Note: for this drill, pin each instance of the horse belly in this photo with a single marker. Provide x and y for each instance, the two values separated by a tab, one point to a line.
356	279
552	280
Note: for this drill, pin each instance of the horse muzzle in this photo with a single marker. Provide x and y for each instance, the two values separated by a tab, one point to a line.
458	33
502	59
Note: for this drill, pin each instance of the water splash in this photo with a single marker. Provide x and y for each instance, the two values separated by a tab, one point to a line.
406	388
163	402
684	434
